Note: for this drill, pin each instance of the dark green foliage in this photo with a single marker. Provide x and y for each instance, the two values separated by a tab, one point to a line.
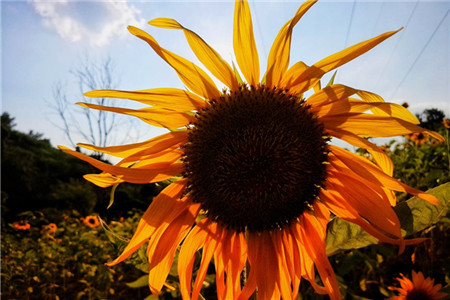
36	175
422	166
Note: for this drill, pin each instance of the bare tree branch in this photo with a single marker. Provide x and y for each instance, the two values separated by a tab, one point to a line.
93	126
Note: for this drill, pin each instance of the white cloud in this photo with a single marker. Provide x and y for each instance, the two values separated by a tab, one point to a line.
93	23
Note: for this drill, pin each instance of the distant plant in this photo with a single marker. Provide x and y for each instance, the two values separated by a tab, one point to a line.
60	257
420	161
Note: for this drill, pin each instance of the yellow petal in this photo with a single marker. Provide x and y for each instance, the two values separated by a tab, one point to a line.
231	256
293	259
214	238
292	73
284	280
379	156
244	43
205	53
278	60
162	249
315	246
372	173
194	77
168	156
330	94
339	206
369	204
307	263
322	215
333	98
194	241
372	125
307	79
372	97
264	264
164	209
103	180
168	98
151	146
152	173
358	106
153	115
249	287
344	56
220	273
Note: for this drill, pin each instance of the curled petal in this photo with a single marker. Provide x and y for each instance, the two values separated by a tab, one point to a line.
278	60
103	180
307	79
194	77
205	53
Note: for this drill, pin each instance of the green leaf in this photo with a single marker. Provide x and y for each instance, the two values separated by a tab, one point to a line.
414	215
332	79
140	282
111	197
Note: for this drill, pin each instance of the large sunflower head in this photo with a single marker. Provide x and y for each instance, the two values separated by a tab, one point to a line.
255	158
256	176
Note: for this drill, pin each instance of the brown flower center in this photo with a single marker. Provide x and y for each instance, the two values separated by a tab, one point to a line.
418	294
255	158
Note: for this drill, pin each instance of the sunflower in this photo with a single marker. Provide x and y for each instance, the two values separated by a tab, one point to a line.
446	123
420	288
21	225
91	221
49	230
256	176
418	138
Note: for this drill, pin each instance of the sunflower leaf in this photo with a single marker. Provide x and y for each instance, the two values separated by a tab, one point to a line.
414	215
140	282
111	197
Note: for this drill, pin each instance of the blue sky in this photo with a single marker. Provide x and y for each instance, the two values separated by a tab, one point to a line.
42	41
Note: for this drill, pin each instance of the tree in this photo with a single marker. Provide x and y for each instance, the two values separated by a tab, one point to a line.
87	125
431	118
